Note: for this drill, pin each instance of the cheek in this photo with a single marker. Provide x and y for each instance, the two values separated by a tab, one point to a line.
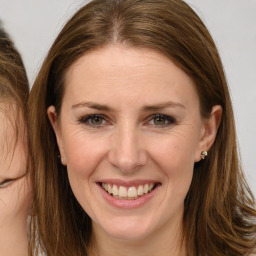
83	154
13	161
176	160
15	202
177	150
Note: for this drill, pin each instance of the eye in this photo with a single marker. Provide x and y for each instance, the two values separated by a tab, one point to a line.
5	183
93	120
161	120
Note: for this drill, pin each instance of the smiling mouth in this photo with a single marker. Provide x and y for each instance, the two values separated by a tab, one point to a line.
128	193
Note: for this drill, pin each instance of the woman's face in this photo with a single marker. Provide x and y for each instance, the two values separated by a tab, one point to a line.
14	186
129	131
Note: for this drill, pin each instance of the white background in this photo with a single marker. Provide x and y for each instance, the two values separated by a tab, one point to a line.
34	24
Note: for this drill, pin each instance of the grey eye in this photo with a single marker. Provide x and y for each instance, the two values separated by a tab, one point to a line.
93	120
159	120
96	120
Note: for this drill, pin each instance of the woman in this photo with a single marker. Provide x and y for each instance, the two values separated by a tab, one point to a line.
14	183
134	140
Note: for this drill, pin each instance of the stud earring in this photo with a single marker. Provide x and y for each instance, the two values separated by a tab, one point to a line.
60	159
204	154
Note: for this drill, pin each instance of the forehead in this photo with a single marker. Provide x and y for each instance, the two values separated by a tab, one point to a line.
11	120
117	71
8	114
8	108
13	145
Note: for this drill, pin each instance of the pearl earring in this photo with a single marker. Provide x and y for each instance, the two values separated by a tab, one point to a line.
60	158
204	154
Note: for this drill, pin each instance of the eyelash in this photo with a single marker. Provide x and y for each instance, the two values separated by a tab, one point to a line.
5	183
88	120
168	120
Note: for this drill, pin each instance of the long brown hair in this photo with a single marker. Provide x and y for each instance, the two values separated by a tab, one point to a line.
14	86
219	217
13	77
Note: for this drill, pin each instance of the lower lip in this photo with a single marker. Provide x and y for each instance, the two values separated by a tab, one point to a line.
128	203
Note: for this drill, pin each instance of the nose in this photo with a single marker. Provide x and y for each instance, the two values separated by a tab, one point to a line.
126	151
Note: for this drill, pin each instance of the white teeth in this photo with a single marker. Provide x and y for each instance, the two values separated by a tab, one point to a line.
109	189
127	192
145	188
132	192
115	190
140	190
122	191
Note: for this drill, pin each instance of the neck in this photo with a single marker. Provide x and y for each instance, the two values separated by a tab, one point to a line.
13	238
163	242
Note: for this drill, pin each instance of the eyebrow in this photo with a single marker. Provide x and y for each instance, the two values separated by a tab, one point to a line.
169	104
92	105
153	107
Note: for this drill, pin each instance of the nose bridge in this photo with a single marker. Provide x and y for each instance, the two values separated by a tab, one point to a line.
127	152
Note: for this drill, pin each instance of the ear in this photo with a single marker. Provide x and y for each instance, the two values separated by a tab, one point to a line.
52	115
209	131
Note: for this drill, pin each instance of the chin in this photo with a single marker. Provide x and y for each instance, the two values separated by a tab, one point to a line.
128	228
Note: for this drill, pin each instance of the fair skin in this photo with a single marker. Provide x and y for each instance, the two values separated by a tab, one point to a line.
14	185
130	119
